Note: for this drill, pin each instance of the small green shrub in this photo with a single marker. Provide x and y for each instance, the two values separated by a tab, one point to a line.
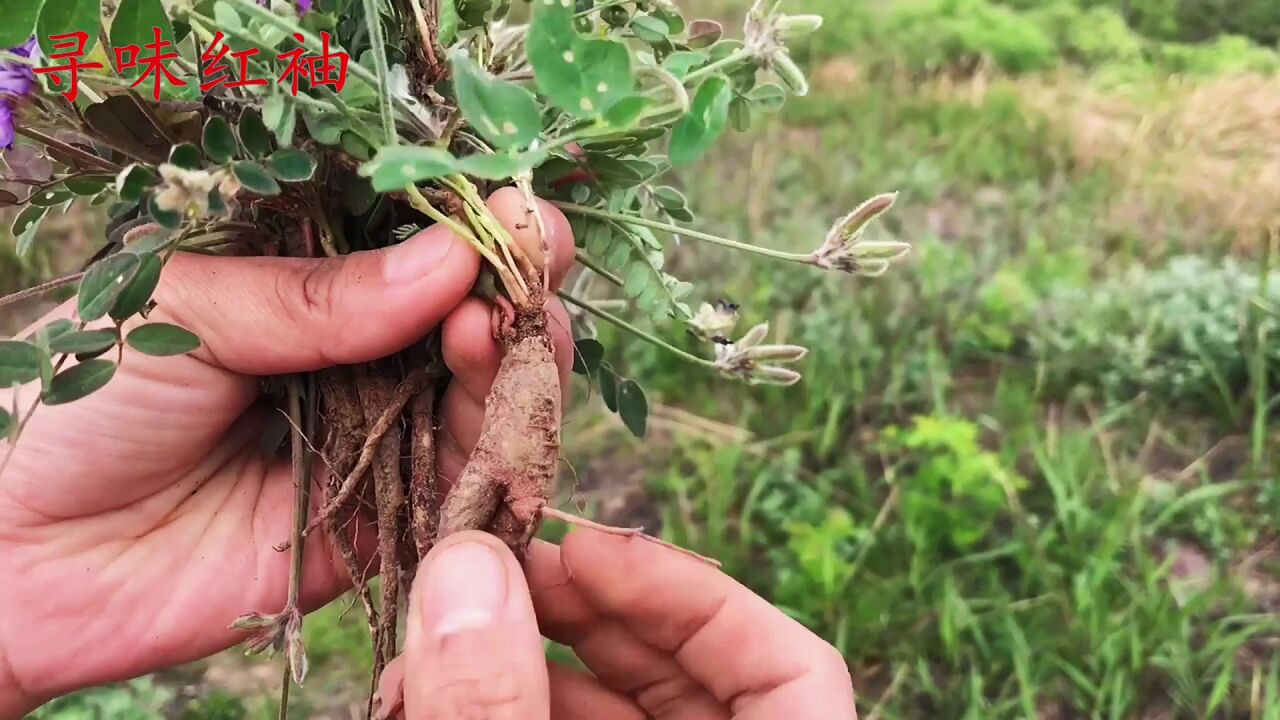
954	490
1182	333
932	33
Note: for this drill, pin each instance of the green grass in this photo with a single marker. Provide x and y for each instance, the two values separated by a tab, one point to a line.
953	500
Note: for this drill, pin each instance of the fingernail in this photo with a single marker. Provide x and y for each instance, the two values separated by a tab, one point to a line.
416	257
466	589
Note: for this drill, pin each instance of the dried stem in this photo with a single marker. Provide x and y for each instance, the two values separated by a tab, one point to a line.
302	458
550	512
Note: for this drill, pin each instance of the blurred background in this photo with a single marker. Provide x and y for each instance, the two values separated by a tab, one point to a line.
1031	472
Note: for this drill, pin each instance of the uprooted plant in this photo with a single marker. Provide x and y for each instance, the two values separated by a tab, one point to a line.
388	115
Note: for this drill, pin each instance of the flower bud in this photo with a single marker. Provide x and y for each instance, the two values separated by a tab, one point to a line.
777	353
769	375
790	74
791	27
754	336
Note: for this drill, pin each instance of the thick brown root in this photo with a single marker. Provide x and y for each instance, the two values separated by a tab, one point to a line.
378	391
509	477
424	496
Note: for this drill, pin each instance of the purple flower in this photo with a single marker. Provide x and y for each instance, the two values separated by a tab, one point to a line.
16	81
304	6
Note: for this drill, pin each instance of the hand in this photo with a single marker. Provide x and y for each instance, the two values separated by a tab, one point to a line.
137	524
666	637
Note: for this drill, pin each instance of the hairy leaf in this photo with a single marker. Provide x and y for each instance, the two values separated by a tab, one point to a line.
162	339
19	363
504	113
103	284
81	380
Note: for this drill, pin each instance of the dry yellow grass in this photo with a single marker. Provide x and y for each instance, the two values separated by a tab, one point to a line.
1206	152
1193	155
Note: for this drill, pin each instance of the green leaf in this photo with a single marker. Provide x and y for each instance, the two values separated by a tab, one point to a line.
81	380
255	178
490	166
504	113
6	423
48	333
582	77
626	111
85	187
84	341
25	225
137	293
650	29
63	17
633	407
767	98
19	362
19	21
681	63
280	115
103	283
219	140
254	134
132	182
291	165
448	26
588	354
325	128
705	123
50	198
186	156
401	165
134	24
162	340
608	387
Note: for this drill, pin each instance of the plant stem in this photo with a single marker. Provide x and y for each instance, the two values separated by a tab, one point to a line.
301	452
41	289
633	330
67	149
730	59
373	23
801	258
589	262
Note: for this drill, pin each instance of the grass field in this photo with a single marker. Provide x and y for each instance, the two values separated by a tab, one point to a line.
1032	473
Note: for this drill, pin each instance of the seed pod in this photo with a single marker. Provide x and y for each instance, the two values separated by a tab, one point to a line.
777	353
769	375
790	74
792	27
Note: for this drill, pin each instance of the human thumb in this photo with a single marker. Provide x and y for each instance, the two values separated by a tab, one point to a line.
472	648
274	315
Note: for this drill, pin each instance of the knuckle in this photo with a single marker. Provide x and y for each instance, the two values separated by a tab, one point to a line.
495	697
662	696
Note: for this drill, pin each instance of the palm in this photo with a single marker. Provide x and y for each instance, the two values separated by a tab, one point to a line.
144	519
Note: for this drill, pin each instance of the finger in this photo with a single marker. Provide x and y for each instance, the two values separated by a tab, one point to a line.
509	207
266	316
472	649
578	696
474	357
621	661
574	696
750	656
